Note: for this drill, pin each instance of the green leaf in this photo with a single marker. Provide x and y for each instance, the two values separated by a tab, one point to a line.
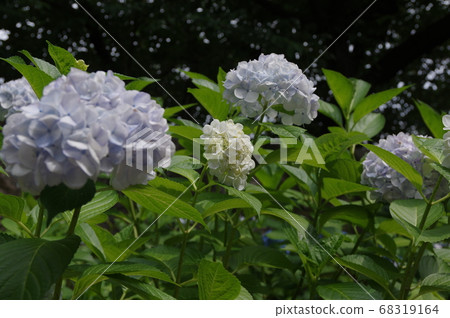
445	172
398	164
29	267
433	148
212	101
353	214
373	101
63	59
341	87
216	283
68	199
296	221
201	80
345	169
11	207
244	295
224	205
185	166
332	188
221	76
247	197
331	111
145	290
365	265
186	131
37	78
261	256
336	143
346	291
409	214
98	273
285	130
170	111
431	118
160	202
140	83
44	66
2	171
435	282
102	202
443	254
371	124
361	88
435	235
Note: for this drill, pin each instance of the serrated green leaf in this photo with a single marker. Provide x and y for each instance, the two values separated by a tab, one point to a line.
211	101
360	88
140	83
224	205
398	164
353	214
145	290
186	132
216	283
433	148
296	221
285	130
332	188
44	66
64	60
37	78
29	267
102	202
445	172
435	235
260	256
371	124
11	207
341	87
431	118
160	202
331	111
373	101
170	111
346	291
435	282
247	197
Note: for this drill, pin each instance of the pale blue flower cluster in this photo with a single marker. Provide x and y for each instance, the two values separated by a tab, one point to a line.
15	94
258	85
446	122
391	185
78	130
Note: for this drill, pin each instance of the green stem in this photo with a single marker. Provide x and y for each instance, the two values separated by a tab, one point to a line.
134	218
73	222
57	291
37	232
411	267
226	258
180	264
25	228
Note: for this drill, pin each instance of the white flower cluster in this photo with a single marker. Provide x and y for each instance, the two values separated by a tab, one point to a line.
16	94
272	80
391	185
446	122
80	129
229	152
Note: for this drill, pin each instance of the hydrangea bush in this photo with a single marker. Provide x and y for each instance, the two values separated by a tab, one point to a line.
124	198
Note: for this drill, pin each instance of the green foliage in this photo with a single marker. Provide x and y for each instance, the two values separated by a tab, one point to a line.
431	118
25	269
215	282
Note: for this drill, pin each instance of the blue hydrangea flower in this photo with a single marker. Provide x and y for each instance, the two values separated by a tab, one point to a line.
77	130
391	185
269	81
15	94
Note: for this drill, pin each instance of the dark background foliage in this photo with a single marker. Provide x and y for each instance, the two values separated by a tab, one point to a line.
396	42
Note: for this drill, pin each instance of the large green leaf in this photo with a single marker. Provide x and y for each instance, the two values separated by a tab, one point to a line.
365	265
11	207
285	130
212	101
98	273
170	111
346	291
247	197
102	202
4	238
68	199
201	80
185	166
332	188
435	235
185	131
145	290
409	214
160	202
37	78
444	171
140	83
297	221
353	214
371	124
44	66
63	59
260	256
399	165
341	87
331	111
373	101
336	143
235	203
216	283
433	148
435	282
361	88
431	118
29	267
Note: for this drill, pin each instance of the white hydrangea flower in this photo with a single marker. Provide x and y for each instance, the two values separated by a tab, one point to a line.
391	185
229	152
446	122
77	130
16	94
269	81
